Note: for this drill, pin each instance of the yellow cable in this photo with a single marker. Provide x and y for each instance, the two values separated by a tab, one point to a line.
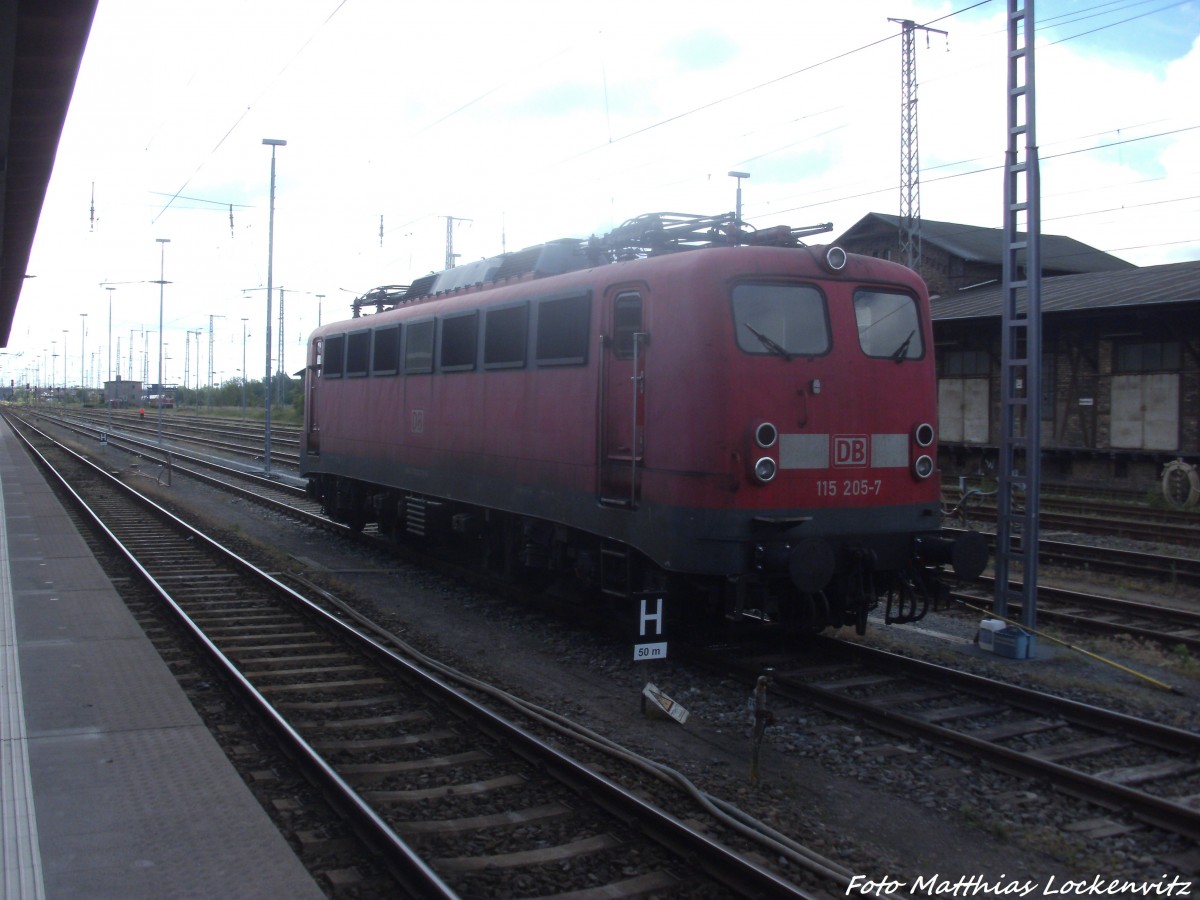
1095	656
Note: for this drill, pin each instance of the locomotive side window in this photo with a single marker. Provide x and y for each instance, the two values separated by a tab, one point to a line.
627	321
418	347
385	354
504	337
888	325
782	319
459	337
335	353
358	353
562	328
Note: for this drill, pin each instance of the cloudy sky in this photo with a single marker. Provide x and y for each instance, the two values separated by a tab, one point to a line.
530	120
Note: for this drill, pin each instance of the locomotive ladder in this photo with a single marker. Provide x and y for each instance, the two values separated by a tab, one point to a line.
1021	340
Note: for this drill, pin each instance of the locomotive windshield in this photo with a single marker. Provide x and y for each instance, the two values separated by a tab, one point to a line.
888	325
782	319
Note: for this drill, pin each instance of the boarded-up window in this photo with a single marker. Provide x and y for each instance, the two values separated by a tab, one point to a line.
963	407
1145	412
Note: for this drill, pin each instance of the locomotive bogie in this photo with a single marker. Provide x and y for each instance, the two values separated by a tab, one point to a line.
748	421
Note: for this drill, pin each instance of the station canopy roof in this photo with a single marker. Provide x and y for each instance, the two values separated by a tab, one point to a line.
41	47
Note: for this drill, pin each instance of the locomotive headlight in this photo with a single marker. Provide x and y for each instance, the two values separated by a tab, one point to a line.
835	259
923	434
765	469
923	467
765	435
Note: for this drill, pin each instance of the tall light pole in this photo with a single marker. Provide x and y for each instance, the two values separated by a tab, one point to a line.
162	262
82	369
272	143
737	222
244	321
108	401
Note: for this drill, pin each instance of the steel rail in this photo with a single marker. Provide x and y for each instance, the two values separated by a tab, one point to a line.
1160	811
721	862
409	868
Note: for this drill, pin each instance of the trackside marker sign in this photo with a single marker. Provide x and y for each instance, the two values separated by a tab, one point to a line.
664	704
650	625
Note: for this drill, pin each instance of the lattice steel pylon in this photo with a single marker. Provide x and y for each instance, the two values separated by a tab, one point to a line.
910	156
1021	340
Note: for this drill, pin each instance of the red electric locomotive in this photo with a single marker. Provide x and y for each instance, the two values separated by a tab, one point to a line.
731	416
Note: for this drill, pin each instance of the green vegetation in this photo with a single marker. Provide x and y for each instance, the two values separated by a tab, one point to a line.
228	399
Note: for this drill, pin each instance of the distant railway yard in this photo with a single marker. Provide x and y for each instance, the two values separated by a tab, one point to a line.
801	762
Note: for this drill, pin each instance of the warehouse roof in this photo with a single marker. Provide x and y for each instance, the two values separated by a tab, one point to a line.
1172	283
986	245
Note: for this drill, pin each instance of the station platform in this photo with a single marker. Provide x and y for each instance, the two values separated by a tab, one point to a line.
111	784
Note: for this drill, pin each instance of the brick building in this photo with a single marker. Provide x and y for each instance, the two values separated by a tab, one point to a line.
1120	371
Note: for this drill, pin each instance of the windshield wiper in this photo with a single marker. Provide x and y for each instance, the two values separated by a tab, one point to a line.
768	342
898	356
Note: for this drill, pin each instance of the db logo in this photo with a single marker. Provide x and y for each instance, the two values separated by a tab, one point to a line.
849	449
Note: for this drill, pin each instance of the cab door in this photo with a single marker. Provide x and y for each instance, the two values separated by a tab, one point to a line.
312	378
623	404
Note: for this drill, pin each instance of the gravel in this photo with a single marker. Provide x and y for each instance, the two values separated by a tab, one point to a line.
882	808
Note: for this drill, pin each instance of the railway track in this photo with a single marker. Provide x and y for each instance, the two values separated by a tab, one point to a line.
1169	625
1140	771
240	440
1123	520
1168	568
456	799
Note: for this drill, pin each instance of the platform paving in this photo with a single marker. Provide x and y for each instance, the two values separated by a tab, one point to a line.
110	784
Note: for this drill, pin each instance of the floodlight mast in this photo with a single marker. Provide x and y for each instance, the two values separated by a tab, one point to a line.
162	257
272	143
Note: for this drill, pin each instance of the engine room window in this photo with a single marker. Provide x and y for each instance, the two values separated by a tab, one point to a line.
562	331
335	354
780	319
358	353
385	355
418	347
504	337
888	325
458	342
